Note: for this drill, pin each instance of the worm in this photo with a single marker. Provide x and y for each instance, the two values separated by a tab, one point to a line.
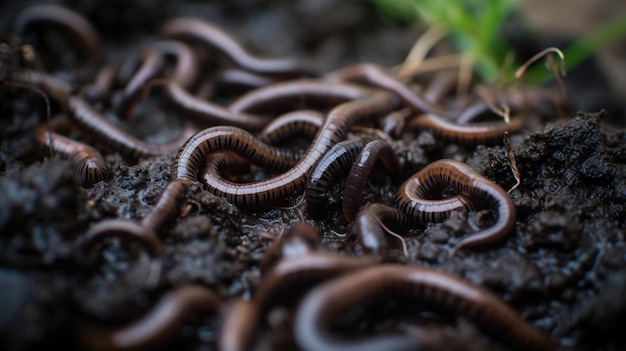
57	88
290	277
167	208
376	76
159	326
298	240
321	306
440	174
280	188
212	37
151	65
303	123
297	93
440	86
101	87
330	168
369	231
124	230
211	113
236	81
89	164
115	139
485	133
239	326
373	151
67	20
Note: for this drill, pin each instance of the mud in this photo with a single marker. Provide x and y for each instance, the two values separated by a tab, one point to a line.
563	268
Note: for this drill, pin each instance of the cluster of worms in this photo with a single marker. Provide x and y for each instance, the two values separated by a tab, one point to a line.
351	119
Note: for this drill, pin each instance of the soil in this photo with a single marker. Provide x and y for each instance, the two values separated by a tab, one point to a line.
563	268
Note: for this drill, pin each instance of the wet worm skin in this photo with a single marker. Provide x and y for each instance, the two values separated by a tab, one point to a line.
89	164
302	123
375	150
151	65
240	321
486	133
159	326
58	89
376	76
125	231
321	306
299	93
369	232
168	207
236	81
69	21
112	137
291	183
290	277
467	182
211	113
332	166
212	37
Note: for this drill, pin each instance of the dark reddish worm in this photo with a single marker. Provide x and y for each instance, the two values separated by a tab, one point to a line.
331	167
151	65
297	94
369	230
485	133
298	240
89	164
214	38
438	175
57	88
211	113
115	139
278	189
373	151
159	326
290	277
300	123
240	319
321	306
69	21
235	81
376	76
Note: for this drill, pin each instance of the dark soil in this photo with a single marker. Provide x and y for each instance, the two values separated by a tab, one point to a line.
563	268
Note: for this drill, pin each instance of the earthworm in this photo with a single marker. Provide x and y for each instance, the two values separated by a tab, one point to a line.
321	306
159	326
69	21
297	93
167	208
124	230
376	76
114	138
291	276
440	174
237	81
369	231
153	62
486	133
298	240
101	87
211	113
239	326
331	167
286	185
373	151
212	37
89	164
441	85
303	123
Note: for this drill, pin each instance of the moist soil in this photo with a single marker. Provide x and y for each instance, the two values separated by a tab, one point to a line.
563	268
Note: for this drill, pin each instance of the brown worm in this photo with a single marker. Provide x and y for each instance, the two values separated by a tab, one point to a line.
57	88
167	208
369	231
239	326
53	15
373	151
290	277
151	65
124	230
235	81
298	240
211	113
114	138
297	94
463	179
321	306
89	164
331	167
212	37
303	123
278	189
159	326
376	76
102	85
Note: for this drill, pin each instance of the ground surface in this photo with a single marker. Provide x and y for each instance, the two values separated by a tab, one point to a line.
563	268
